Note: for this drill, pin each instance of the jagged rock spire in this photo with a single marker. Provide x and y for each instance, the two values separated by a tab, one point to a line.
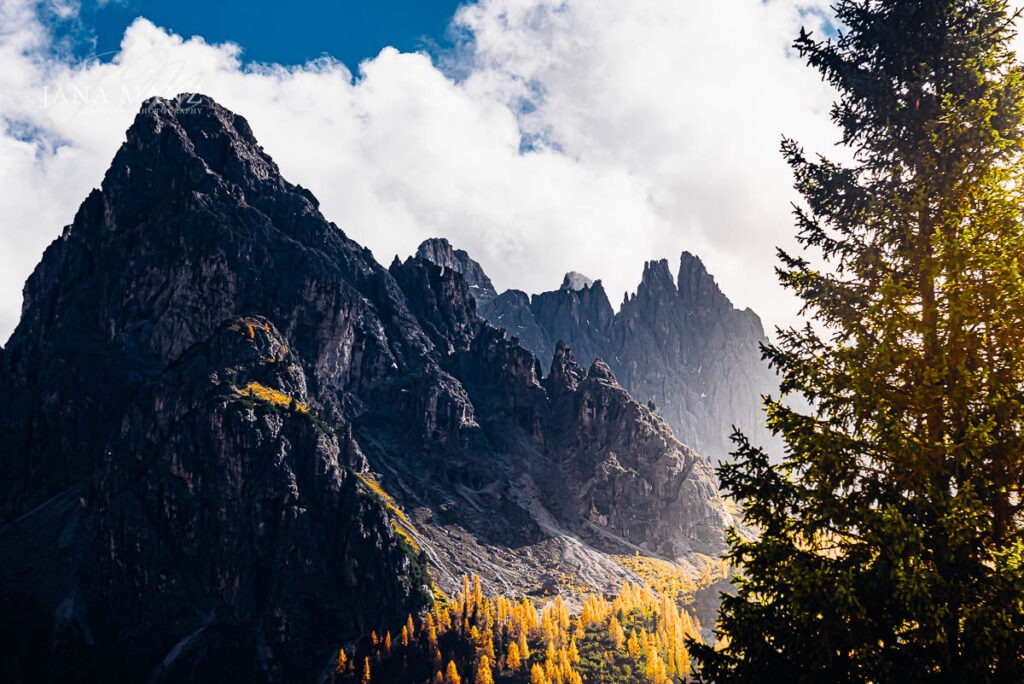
566	374
439	251
678	341
576	281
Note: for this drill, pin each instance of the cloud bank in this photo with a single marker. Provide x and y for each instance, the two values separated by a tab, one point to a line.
582	135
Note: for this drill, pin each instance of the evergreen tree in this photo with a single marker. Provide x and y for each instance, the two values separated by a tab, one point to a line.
890	543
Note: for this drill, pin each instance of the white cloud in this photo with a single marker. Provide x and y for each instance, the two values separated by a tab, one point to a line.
689	98
655	128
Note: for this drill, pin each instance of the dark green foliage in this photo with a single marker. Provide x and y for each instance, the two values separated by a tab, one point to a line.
890	544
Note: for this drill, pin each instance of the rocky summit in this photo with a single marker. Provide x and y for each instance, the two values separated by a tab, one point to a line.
677	342
232	442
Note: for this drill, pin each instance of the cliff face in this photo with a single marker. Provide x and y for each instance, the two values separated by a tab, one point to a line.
678	342
192	551
232	441
630	475
681	344
439	251
193	509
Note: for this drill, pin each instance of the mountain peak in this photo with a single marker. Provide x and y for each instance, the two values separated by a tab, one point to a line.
193	110
657	284
656	271
190	144
204	129
566	374
576	281
440	251
436	250
599	370
697	286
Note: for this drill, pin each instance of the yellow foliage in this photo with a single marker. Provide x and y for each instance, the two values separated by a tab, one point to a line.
574	653
483	672
271	396
633	645
615	632
661	576
512	659
563	644
524	648
399	521
451	675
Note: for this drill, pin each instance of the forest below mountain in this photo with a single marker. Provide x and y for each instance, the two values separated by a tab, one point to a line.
638	635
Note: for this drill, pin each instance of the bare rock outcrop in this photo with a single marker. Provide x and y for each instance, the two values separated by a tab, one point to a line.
677	342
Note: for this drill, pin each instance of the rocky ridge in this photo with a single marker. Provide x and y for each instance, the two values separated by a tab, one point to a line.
677	342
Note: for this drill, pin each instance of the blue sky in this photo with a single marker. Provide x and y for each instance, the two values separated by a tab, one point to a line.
292	32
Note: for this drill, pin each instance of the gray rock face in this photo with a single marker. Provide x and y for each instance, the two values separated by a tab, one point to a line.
583	318
683	345
511	311
677	342
629	475
216	407
439	251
